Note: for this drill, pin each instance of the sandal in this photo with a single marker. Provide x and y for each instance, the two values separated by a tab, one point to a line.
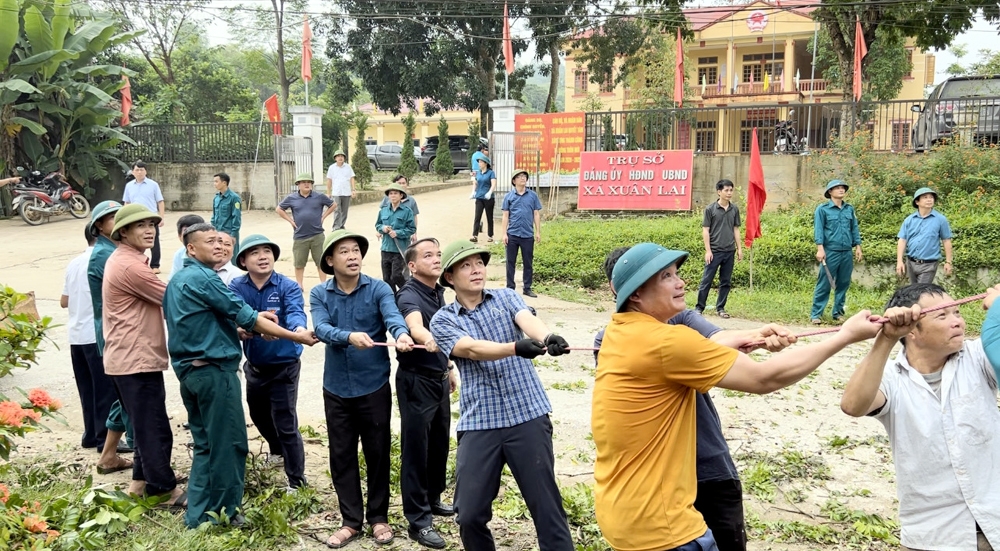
120	465
474	239
180	502
724	315
351	535
379	530
489	240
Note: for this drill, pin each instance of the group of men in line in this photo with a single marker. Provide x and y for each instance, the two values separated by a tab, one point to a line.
836	234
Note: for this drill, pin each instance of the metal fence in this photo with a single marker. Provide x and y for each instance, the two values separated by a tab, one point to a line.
900	126
229	142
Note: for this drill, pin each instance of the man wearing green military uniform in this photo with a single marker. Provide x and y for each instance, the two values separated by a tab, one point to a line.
102	222
226	214
835	229
202	315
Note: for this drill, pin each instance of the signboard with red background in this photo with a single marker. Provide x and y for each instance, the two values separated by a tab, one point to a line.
636	180
567	128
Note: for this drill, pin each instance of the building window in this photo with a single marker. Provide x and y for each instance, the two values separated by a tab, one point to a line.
704	137
758	65
608	85
909	61
764	120
900	136
708	75
580	78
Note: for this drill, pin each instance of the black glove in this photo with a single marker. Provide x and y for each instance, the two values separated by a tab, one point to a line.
556	345
529	348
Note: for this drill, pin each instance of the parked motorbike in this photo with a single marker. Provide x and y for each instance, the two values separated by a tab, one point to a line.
39	197
786	138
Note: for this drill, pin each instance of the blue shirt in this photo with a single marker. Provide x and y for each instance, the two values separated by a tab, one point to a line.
349	372
178	263
202	315
484	182
147	194
307	212
836	228
923	235
283	297
495	394
226	215
521	212
401	221
714	461
991	337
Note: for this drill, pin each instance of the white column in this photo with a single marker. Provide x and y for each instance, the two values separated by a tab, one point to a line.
502	152
307	121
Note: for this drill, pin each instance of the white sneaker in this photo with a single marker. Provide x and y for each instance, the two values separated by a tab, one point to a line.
274	461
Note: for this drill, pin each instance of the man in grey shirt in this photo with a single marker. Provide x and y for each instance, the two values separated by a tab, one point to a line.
720	232
309	210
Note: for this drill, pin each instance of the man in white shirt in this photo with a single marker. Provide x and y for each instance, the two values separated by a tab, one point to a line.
938	401
340	185
146	192
94	387
183	223
225	268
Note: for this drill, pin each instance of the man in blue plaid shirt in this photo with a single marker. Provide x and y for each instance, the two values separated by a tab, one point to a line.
492	336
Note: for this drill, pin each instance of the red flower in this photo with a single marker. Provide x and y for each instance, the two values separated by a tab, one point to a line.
39	398
35	525
4	494
11	414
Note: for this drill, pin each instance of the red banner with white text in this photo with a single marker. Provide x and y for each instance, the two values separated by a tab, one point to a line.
636	180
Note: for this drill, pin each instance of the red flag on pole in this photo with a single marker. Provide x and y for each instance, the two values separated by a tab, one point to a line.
860	51
679	71
508	46
126	100
756	193
307	51
273	113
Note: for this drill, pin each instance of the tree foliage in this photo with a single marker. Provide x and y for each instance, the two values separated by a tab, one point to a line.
444	167
652	85
930	24
552	25
987	62
475	132
359	160
408	161
57	109
883	69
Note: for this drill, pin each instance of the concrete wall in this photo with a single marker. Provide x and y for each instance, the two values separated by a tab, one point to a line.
188	187
788	179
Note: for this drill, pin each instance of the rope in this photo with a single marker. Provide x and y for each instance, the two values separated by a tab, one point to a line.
388	344
874	319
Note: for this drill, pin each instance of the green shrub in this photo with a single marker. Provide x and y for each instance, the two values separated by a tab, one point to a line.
359	160
444	167
408	162
474	133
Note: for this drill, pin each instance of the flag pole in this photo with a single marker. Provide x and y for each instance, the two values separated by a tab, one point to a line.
751	267
307	93
253	172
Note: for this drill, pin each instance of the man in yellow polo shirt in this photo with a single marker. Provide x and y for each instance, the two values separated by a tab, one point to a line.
644	408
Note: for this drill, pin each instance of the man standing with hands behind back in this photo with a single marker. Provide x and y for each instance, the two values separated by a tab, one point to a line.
720	230
226	214
521	227
921	237
340	185
146	192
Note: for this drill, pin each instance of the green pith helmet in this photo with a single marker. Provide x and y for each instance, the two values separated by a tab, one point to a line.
335	238
457	251
339	153
636	266
923	191
130	214
104	208
833	184
304	177
255	240
395	187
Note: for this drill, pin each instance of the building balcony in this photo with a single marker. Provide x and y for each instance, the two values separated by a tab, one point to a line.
744	89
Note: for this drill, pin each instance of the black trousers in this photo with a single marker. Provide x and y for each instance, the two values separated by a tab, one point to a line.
481	206
348	419
527	247
154	261
144	399
96	391
723	263
721	503
272	396
527	450
393	269
425	414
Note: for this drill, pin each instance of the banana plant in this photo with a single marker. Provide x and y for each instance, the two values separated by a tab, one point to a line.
61	102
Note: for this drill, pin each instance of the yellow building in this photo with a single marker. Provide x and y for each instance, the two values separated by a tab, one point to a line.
386	128
751	63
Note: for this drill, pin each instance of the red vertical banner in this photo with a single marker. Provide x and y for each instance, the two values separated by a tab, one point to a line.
307	50
508	45
568	130
679	71
860	51
756	193
126	100
273	113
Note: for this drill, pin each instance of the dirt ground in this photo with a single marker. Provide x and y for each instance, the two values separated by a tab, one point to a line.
761	430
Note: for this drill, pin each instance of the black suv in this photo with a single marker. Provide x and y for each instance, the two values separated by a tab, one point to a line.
956	105
458	146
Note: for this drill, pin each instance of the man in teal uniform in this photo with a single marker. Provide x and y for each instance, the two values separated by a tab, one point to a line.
202	315
835	228
102	222
395	225
226	214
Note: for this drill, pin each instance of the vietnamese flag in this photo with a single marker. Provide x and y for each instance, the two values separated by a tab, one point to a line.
126	100
273	113
679	71
508	45
307	51
756	193
860	51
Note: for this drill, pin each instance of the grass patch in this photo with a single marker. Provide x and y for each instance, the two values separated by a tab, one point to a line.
575	386
763	472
